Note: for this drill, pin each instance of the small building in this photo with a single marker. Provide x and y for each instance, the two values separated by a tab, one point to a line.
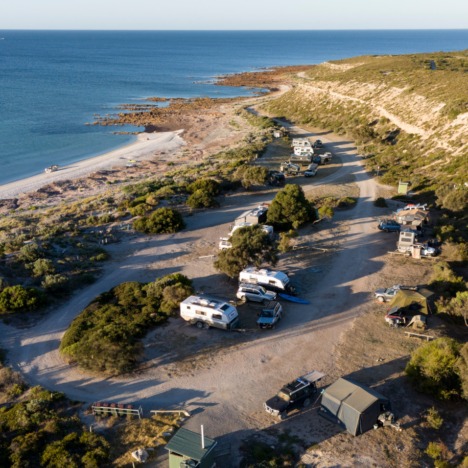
353	406
187	449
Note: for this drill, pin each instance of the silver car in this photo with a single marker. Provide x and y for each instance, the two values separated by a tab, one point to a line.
255	293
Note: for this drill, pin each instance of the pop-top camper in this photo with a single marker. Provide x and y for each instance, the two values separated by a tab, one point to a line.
205	312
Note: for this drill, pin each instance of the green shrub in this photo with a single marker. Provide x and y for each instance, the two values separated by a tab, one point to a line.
284	244
55	283
434	419
251	175
290	208
380	202
17	298
445	282
326	211
105	336
140	209
432	368
42	267
208	186
161	221
201	199
250	246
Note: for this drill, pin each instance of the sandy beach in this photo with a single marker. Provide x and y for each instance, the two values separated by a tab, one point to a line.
144	148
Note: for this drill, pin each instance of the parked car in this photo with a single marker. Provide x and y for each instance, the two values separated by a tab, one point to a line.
255	293
311	170
388	225
296	394
270	315
317	144
428	251
387	294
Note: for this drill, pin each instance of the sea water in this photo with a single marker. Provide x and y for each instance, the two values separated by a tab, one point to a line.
52	83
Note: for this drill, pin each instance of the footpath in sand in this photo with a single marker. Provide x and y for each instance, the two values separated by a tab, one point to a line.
225	382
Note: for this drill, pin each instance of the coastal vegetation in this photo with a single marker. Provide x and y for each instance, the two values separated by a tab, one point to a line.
106	336
251	245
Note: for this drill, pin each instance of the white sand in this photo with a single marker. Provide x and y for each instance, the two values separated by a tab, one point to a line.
143	148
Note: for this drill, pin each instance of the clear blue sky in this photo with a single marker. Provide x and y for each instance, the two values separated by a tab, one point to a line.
238	14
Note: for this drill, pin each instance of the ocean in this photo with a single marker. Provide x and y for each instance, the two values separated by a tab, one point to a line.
52	83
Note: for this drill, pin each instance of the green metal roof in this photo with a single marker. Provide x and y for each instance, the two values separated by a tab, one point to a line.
188	443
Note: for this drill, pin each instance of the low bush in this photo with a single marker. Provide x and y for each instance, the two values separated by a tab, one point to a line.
201	199
161	221
208	186
433	369
20	299
445	282
380	202
105	336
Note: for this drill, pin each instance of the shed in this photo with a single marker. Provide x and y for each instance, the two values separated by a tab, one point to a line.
421	300
353	406
187	450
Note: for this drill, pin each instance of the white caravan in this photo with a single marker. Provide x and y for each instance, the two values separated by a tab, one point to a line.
271	280
206	312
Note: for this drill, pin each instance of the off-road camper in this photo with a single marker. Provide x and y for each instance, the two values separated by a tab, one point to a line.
206	312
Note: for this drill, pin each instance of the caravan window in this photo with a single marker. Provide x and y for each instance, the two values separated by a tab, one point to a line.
217	317
201	312
271	282
225	307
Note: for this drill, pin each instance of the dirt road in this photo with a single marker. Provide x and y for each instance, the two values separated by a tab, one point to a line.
226	385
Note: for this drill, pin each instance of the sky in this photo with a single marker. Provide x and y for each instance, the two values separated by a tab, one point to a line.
229	14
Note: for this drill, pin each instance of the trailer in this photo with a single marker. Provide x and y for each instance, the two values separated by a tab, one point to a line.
272	280
205	312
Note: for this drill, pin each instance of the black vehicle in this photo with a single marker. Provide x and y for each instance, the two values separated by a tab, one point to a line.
276	178
317	144
296	394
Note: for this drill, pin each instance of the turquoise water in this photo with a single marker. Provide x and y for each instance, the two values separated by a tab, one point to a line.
53	82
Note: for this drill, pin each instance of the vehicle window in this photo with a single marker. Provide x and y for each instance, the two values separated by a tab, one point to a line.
284	396
271	282
188	307
225	307
217	317
200	312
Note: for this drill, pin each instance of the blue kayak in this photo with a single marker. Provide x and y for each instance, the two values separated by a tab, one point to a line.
293	298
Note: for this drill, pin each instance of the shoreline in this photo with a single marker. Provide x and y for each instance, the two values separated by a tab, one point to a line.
143	148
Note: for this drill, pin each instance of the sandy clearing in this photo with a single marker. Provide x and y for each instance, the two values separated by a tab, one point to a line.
143	148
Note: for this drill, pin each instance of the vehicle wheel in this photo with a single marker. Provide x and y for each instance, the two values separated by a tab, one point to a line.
306	403
200	325
385	230
282	416
381	299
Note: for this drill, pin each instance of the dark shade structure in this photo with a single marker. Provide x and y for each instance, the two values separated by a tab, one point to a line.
352	405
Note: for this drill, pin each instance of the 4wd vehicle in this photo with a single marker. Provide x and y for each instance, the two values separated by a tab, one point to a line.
311	170
296	394
317	144
389	225
276	178
270	315
255	293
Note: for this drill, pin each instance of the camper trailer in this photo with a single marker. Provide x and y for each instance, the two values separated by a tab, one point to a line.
256	216
206	312
302	142
299	150
303	158
271	280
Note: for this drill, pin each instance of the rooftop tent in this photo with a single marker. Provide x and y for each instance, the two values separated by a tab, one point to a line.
353	405
422	300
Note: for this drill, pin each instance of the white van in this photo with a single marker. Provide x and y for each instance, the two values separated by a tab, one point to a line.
206	312
271	280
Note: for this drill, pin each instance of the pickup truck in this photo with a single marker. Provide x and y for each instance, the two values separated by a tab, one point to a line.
270	315
296	394
322	158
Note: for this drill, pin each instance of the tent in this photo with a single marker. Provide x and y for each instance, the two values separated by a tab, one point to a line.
353	405
420	300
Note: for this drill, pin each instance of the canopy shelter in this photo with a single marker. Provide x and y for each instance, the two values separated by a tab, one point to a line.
352	405
420	300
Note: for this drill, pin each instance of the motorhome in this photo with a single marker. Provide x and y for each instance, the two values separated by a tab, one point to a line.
271	280
205	312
